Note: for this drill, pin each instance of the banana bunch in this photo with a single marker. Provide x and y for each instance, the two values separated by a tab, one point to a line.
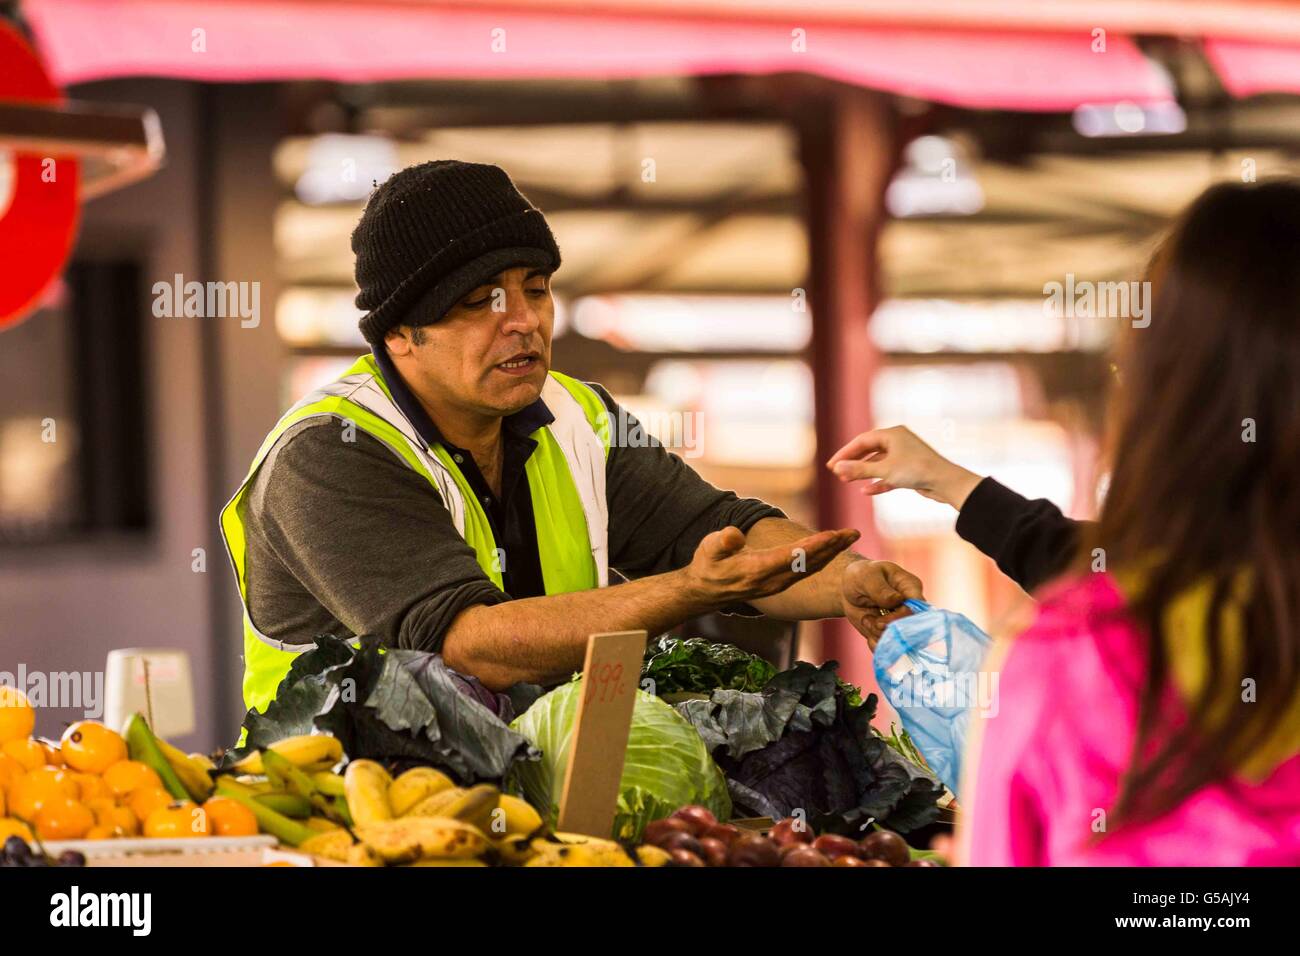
289	789
576	849
307	752
185	776
422	818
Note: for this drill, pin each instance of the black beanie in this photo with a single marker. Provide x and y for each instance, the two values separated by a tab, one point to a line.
432	233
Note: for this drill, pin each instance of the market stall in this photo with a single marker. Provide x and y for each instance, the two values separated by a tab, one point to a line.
685	753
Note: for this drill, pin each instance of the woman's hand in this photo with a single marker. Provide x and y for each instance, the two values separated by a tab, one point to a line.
896	458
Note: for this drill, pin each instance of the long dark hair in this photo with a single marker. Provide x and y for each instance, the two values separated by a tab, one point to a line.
1205	484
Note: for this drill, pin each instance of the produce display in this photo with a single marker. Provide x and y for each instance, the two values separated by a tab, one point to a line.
389	758
421	818
395	706
694	837
666	764
804	742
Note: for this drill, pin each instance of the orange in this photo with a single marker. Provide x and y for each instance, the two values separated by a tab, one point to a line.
91	786
36	788
98	832
17	718
230	818
26	752
53	756
91	747
11	827
116	818
180	819
128	776
65	819
146	800
3	811
10	770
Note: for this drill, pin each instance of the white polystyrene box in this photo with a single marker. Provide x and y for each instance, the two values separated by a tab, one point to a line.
170	695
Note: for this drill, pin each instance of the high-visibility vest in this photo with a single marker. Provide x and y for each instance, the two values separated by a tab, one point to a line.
566	481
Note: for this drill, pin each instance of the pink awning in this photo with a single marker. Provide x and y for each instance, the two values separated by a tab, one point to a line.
357	42
1247	68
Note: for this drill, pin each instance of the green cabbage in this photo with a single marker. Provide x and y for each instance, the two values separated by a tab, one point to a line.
667	765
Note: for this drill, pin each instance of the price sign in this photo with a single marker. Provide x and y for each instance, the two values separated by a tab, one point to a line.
609	684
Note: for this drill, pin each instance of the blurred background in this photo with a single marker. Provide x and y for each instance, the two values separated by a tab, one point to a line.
782	223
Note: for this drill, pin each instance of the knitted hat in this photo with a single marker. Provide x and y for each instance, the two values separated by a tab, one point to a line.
432	233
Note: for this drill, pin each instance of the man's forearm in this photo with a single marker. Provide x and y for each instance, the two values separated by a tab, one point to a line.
544	639
817	596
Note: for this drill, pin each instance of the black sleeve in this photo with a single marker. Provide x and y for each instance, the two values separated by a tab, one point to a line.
659	508
369	538
1031	541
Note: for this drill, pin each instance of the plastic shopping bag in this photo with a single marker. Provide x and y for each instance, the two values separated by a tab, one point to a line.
928	667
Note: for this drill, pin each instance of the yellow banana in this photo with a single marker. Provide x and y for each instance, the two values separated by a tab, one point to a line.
436	805
363	854
513	817
196	778
436	861
589	853
203	760
574	839
474	806
414	785
514	850
329	783
321	824
306	751
414	838
366	785
651	855
331	844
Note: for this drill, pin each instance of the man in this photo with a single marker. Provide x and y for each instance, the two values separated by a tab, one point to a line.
451	493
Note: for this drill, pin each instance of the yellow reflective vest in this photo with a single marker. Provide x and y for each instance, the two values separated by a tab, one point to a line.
566	480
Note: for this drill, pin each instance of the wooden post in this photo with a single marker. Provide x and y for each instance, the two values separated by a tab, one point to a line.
849	151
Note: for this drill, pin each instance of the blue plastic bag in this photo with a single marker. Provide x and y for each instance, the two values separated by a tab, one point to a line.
928	667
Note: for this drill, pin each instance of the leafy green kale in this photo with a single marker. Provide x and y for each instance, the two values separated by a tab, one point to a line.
699	666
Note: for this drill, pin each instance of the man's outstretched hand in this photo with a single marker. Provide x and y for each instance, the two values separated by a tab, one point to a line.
725	571
873	594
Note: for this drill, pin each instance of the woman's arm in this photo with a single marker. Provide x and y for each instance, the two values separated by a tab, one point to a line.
1031	541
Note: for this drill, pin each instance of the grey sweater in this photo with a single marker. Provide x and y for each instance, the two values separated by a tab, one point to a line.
343	538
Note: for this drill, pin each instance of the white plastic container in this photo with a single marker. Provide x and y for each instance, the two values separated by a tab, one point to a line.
168	696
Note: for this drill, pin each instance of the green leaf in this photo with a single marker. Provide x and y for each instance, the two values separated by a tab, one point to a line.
701	666
802	744
391	706
666	765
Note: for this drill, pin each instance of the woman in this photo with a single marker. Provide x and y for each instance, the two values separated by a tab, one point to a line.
1151	715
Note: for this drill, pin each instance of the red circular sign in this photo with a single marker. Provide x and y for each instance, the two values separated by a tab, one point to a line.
37	230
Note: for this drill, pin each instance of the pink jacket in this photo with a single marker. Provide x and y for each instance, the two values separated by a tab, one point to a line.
1044	768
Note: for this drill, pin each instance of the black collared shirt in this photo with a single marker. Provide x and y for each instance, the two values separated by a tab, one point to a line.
511	515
